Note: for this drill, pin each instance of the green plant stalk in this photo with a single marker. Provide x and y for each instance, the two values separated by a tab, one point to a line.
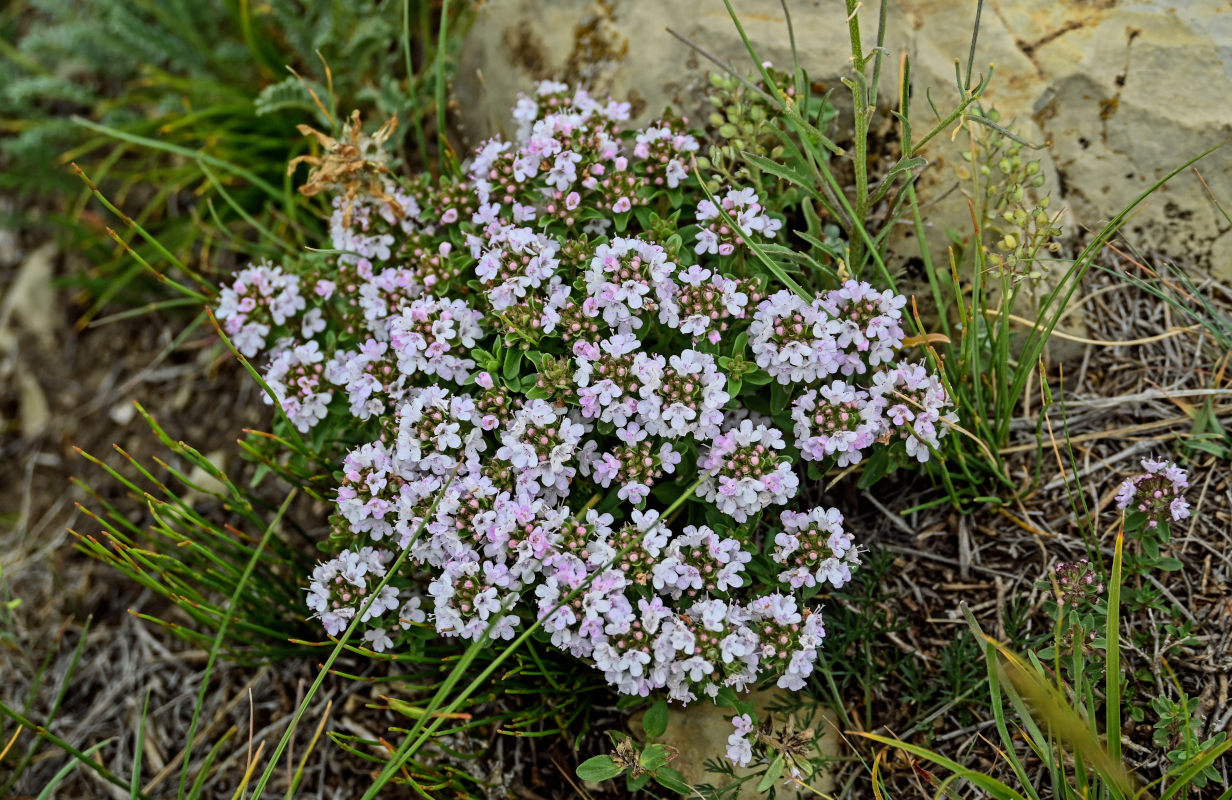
42	733
218	637
55	706
1112	684
132	223
58	778
447	160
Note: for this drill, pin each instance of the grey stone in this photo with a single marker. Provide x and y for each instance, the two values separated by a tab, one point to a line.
1122	92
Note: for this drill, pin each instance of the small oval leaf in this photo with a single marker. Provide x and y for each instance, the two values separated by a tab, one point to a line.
655	721
599	768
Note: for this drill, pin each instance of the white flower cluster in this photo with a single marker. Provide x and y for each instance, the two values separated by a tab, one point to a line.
530	366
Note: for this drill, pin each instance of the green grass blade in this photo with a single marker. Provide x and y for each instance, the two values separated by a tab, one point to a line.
986	782
210	757
218	637
195	155
1112	684
998	707
49	789
77	755
134	786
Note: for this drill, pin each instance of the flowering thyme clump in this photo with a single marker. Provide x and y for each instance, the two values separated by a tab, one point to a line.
563	392
341	587
742	206
789	340
836	420
915	407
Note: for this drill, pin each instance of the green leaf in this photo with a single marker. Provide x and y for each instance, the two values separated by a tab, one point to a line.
1169	564
288	93
487	362
513	364
758	377
653	757
906	165
780	395
874	469
669	778
784	172
728	698
1151	547
635	784
772	774
655	721
599	768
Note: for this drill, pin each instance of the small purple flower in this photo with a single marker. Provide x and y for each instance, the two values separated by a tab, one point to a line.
915	407
739	748
815	548
1159	492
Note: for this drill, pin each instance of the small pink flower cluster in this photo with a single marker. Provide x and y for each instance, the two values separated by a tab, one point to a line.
261	296
1159	492
742	206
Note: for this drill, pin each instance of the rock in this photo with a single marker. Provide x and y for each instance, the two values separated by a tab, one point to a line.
29	305
206	482
122	413
699	732
33	410
1123	92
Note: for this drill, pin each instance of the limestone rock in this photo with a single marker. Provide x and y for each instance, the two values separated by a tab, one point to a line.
1123	92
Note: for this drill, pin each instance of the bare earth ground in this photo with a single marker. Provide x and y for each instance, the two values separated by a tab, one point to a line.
1123	403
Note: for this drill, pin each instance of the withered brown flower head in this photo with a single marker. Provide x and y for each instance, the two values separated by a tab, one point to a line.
787	740
351	166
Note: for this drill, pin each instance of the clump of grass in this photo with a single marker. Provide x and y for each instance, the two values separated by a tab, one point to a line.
187	130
